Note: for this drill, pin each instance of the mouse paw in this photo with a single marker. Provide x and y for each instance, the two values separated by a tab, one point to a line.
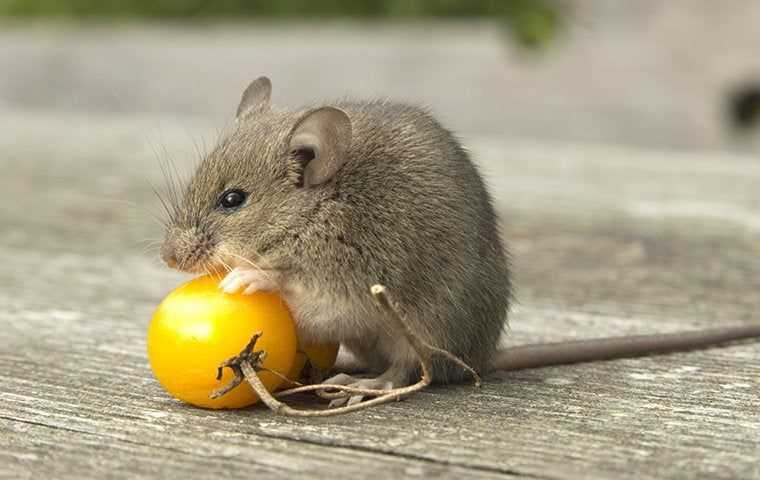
249	280
366	383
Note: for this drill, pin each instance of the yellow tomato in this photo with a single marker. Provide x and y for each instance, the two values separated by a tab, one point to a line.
197	327
321	356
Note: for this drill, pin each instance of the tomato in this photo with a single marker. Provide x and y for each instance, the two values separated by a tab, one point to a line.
321	356
197	327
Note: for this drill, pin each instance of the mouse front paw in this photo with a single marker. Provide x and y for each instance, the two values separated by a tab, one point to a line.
249	280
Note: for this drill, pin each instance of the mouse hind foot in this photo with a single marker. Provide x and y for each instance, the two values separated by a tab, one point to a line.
380	385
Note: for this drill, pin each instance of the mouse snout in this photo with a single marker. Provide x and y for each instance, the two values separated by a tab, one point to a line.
169	255
186	250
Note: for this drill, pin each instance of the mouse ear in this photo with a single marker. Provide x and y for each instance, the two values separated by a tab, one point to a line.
255	98
319	142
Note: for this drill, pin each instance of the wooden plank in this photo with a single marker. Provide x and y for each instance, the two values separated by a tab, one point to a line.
77	289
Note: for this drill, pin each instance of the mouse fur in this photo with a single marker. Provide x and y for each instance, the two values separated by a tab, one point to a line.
392	198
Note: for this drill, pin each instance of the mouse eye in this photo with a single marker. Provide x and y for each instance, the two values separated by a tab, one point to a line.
232	199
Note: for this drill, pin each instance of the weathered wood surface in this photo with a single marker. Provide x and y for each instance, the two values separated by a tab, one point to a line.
605	241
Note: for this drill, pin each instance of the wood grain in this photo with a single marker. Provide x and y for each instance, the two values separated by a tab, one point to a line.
605	241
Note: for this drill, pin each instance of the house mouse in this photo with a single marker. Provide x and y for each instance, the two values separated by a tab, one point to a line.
321	203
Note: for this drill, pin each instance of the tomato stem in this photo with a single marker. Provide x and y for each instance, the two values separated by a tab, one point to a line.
247	355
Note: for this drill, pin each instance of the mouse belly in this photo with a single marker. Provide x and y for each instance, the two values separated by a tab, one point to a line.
322	317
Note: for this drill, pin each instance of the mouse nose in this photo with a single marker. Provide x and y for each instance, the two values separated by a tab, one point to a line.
171	261
169	256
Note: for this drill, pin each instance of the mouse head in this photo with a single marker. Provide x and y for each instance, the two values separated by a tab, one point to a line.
260	188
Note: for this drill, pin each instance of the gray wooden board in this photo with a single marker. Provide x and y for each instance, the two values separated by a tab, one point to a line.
664	88
606	241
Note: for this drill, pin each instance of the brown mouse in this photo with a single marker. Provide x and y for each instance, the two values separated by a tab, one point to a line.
321	203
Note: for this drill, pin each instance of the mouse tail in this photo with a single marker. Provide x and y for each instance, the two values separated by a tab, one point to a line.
563	353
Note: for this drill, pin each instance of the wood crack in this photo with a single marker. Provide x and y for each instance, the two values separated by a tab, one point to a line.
407	456
263	466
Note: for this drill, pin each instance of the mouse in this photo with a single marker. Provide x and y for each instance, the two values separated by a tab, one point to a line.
321	202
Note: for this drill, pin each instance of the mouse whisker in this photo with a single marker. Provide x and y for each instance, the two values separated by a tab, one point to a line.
250	262
166	205
150	241
246	260
206	269
136	207
201	149
151	246
224	264
172	181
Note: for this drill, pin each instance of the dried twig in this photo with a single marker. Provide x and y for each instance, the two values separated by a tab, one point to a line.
246	364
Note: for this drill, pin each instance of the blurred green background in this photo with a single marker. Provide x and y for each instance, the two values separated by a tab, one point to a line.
532	22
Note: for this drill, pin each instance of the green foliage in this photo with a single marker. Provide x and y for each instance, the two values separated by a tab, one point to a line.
532	21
